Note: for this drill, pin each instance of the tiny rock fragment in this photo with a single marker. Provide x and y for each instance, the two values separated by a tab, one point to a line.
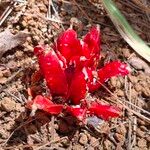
3	80
108	145
139	64
119	137
142	143
140	133
94	142
65	142
78	147
126	52
83	139
9	41
7	104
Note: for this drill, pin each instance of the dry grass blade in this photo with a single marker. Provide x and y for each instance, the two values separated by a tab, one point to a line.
126	30
7	11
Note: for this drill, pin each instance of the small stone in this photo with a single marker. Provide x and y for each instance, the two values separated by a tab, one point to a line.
19	108
43	8
126	52
24	23
44	29
140	133
116	82
94	142
10	125
138	87
3	80
146	92
142	143
120	93
1	74
7	104
12	65
19	54
136	148
83	139
77	147
148	138
143	128
108	145
133	79
3	133
65	142
119	137
121	130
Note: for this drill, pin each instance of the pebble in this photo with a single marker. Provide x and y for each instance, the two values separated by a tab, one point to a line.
116	82
133	79
94	142
120	93
142	143
12	65
77	147
140	133
138	87
119	137
3	80
83	139
7	104
108	145
65	142
126	52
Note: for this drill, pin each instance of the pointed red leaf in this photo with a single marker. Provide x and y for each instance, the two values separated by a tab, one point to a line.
77	88
52	70
104	111
112	69
109	70
68	44
91	46
77	112
43	103
92	39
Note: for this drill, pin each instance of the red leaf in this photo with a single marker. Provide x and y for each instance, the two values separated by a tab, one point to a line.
92	39
68	44
79	113
91	46
109	70
52	70
77	88
112	69
104	111
43	103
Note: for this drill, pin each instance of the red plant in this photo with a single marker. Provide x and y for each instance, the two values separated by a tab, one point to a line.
70	68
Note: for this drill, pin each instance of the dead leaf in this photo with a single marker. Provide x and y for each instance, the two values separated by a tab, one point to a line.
9	41
139	64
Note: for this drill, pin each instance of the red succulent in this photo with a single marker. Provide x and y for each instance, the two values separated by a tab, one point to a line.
71	71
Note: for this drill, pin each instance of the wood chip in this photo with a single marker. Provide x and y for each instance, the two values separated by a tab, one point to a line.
9	41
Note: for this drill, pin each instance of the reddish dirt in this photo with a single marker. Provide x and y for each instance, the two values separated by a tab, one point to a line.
20	131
